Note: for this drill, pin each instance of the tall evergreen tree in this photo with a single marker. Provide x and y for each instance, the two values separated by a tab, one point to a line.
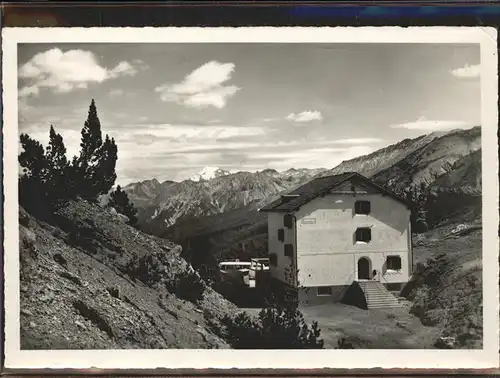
91	136
120	201
58	166
91	142
94	170
105	174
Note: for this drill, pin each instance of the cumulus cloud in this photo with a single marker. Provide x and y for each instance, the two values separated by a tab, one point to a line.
430	125
202	88
64	71
305	116
467	72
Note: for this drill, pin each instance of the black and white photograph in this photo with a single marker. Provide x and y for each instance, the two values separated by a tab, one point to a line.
228	193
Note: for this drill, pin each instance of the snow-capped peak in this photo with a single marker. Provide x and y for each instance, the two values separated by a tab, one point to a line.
209	173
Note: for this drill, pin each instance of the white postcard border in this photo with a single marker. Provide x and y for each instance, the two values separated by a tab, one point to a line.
255	359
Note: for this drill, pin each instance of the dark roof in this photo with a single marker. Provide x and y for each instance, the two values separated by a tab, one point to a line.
316	187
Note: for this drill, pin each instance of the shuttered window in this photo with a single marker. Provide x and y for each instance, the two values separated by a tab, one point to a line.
362	207
281	235
364	234
289	250
393	262
288	221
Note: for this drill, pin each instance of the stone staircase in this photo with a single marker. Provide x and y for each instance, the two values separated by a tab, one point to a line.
377	296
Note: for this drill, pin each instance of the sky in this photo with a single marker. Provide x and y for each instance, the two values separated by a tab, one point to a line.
174	109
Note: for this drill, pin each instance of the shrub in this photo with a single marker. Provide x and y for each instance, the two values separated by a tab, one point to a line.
121	203
187	285
276	328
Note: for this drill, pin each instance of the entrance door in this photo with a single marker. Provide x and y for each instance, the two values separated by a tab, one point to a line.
363	269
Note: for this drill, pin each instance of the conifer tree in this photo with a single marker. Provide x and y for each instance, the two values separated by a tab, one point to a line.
58	166
94	170
32	159
120	201
105	174
33	181
91	142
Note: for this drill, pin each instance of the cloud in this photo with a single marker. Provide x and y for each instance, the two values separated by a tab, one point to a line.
204	133
63	72
202	88
427	125
357	141
305	116
116	93
467	72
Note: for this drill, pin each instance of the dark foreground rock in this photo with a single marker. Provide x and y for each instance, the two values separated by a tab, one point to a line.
89	281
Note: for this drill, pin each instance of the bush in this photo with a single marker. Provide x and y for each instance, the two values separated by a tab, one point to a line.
276	328
187	285
121	203
148	269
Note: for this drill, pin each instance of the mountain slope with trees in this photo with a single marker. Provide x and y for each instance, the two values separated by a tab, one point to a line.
89	280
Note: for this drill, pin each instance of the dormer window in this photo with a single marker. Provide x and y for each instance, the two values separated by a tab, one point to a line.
362	207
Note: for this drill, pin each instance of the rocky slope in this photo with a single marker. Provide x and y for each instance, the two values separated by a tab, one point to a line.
89	281
447	288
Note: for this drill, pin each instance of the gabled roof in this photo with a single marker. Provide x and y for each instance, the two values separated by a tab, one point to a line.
317	187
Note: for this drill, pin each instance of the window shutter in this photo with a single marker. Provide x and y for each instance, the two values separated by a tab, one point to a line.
288	221
394	262
281	235
364	234
362	207
289	250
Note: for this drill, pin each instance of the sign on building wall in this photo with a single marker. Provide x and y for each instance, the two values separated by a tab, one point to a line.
308	221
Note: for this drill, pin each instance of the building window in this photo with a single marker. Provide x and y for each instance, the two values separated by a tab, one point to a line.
273	259
393	263
362	207
288	221
324	290
281	235
364	234
289	250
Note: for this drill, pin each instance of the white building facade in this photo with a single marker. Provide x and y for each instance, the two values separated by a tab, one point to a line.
336	230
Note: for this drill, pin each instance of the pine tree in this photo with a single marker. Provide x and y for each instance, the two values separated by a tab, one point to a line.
105	174
58	167
91	142
94	170
33	180
120	201
32	159
91	136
